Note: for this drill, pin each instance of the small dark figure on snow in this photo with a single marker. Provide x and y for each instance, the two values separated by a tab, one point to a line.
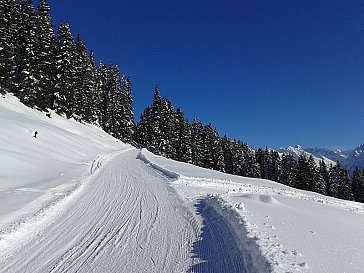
48	115
35	134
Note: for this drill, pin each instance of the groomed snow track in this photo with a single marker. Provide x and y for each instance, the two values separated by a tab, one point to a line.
126	218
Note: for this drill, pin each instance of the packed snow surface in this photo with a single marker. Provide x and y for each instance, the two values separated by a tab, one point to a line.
74	199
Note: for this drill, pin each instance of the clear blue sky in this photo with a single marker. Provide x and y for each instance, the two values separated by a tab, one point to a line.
273	73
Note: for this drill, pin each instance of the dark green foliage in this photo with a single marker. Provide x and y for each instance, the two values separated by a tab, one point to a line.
7	43
308	176
358	185
197	143
325	175
27	83
44	53
289	171
127	121
66	73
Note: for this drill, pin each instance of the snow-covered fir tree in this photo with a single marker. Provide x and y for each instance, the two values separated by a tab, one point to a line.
44	53
197	142
85	93
28	87
127	122
8	9
289	170
66	72
357	185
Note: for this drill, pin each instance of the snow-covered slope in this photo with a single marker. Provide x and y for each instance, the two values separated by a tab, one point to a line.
75	199
35	171
294	230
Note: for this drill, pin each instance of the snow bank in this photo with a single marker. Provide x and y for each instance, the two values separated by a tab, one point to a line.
254	261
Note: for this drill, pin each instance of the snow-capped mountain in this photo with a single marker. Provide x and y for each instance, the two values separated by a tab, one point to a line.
354	159
350	159
328	156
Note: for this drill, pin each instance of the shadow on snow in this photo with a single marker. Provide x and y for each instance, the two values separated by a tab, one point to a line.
216	251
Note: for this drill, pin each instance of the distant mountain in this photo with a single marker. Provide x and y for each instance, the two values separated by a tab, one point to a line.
348	159
317	153
354	159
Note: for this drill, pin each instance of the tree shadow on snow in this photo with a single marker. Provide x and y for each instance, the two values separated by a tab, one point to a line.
216	250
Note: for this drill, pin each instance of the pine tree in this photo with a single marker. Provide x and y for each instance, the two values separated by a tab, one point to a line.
96	89
253	167
104	95
344	190
208	146
44	54
8	11
143	129
325	175
334	180
358	185
289	171
127	122
114	110
28	87
197	143
157	140
183	132
85	104
275	166
64	101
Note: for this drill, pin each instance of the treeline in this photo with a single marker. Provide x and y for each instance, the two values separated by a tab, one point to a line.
166	131
48	70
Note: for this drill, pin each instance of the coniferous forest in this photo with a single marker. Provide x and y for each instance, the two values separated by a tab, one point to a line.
48	69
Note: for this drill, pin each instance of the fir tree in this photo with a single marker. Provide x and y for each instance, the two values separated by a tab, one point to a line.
197	144
66	73
289	171
7	44
143	129
325	175
28	87
157	140
104	96
344	190
334	180
85	104
127	122
44	51
357	185
114	105
183	132
275	166
96	89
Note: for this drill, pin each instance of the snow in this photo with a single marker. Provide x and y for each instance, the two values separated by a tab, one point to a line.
296	231
75	199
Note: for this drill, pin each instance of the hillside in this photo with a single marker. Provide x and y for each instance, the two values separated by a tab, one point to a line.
75	199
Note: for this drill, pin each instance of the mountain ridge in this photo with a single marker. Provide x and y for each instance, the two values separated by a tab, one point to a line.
350	159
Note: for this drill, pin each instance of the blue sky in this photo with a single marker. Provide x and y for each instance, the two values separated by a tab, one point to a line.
273	73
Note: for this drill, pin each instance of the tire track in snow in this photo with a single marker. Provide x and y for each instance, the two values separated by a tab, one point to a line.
124	220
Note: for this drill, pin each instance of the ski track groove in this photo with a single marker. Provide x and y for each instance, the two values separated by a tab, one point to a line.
124	220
